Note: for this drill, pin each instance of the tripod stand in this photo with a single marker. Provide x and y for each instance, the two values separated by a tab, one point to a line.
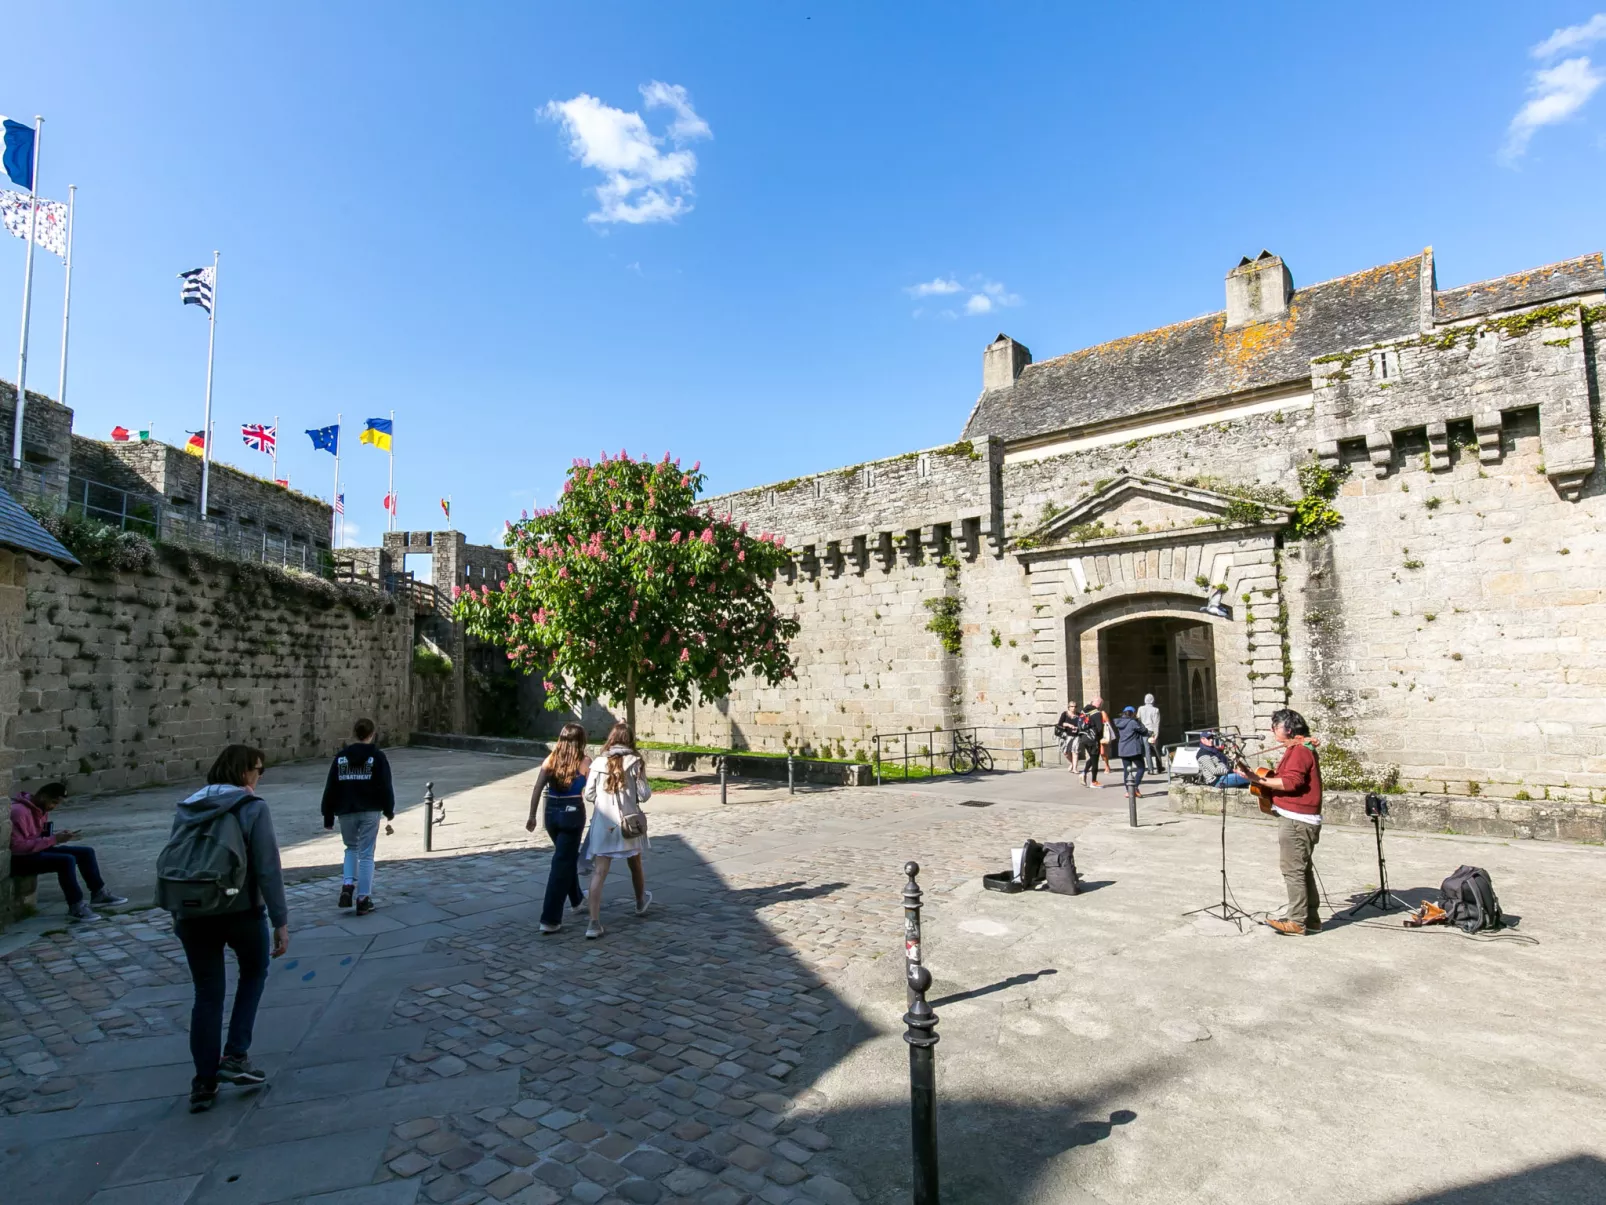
1226	910
1382	899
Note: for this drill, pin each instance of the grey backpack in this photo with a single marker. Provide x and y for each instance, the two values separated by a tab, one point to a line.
1059	868
205	869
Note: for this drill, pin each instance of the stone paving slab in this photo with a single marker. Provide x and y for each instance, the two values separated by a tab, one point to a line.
289	1171
155	1192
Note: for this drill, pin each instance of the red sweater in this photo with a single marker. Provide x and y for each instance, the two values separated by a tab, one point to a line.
1302	782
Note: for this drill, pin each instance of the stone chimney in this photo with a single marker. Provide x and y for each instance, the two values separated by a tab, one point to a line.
1258	289
1002	363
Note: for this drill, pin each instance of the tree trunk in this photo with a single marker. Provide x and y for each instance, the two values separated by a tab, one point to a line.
630	699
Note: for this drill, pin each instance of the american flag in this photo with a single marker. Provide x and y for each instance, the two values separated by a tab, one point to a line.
340	504
259	438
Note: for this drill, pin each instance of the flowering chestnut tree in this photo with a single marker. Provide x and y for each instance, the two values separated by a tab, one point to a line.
627	590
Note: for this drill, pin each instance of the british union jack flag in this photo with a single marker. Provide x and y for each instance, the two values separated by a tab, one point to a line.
258	437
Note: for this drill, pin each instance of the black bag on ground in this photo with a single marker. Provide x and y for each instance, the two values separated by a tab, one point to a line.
1059	867
1470	900
1031	864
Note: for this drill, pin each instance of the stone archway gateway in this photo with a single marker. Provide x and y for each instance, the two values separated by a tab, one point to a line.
1121	581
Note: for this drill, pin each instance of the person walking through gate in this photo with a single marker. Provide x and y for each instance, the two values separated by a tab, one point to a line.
1296	799
231	788
1095	742
563	777
617	791
36	849
1131	738
358	792
1149	717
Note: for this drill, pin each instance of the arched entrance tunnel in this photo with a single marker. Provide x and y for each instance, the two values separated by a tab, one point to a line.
1170	658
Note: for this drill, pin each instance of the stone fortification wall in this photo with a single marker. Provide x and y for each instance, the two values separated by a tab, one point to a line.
46	440
129	678
1444	636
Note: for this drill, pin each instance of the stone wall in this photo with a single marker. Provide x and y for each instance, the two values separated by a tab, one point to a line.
1446	635
131	678
13	598
46	441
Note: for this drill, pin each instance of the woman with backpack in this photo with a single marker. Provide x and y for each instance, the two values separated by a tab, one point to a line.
563	777
618	827
218	873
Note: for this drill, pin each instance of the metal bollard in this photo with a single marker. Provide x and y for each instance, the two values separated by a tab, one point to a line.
722	780
911	926
921	1035
429	817
1131	798
791	783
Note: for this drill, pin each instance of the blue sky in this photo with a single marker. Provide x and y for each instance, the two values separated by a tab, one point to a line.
401	195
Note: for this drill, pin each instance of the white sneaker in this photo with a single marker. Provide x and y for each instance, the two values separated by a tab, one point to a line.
546	928
646	902
581	906
595	930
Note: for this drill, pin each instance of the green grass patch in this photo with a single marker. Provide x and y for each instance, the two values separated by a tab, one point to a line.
661	785
711	751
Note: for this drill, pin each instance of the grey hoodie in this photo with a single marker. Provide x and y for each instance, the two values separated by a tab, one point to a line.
267	880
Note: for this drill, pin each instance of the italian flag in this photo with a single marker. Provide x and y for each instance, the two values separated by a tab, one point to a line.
123	435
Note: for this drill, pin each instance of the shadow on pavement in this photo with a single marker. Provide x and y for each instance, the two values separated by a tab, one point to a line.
1001	985
1574	1181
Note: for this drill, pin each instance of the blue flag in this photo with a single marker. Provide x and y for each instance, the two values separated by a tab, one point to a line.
18	159
326	438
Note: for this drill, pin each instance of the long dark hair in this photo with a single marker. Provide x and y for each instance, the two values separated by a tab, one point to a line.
619	737
568	758
233	764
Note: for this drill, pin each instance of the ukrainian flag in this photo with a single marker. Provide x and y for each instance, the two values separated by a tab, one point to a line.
376	432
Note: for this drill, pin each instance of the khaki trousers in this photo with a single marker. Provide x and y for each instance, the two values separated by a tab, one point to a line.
1296	846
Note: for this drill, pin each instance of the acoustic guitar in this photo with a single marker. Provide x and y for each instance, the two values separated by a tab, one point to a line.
1262	794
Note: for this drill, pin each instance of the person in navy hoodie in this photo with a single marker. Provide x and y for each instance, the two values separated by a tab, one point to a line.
357	793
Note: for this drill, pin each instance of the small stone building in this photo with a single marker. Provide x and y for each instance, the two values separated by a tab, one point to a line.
1371	499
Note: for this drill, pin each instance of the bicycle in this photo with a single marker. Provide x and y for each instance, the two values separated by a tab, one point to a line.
969	754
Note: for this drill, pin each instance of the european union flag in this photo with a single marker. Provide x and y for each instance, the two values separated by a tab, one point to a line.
326	438
377	432
18	157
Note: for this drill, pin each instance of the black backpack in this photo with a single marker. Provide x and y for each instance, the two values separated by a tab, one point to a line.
1031	864
1059	867
1470	900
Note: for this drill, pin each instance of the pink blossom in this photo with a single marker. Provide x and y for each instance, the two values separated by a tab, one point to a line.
741	556
665	640
563	572
685	481
675	539
547	686
685	654
708	535
696	466
456	590
744	529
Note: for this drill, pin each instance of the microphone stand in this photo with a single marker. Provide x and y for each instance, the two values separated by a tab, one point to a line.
1226	910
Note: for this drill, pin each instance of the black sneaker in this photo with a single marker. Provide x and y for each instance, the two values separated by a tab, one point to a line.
202	1097
365	906
345	895
237	1069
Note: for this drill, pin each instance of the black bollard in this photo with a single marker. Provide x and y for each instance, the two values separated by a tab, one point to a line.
911	927
921	1034
791	783
722	780
429	816
1131	796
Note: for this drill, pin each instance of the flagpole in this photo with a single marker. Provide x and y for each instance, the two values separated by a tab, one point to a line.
275	449
211	342
66	297
340	511
392	451
27	296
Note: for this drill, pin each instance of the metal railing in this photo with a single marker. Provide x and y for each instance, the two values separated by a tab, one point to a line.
114	506
926	753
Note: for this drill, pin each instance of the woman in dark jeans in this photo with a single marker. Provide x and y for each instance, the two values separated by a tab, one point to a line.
231	786
563	777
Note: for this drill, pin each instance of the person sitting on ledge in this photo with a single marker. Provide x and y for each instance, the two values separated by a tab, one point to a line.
36	850
1215	767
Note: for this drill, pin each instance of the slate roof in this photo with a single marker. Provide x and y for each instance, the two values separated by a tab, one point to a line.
1569	278
1201	358
21	531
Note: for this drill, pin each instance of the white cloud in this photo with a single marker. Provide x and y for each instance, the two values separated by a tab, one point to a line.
641	180
1573	37
1556	94
985	295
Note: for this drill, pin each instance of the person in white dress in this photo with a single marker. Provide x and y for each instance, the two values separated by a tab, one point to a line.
616	788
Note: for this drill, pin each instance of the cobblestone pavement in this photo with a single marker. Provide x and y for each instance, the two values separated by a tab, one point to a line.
457	1053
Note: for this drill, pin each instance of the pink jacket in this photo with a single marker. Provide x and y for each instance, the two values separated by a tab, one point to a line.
28	822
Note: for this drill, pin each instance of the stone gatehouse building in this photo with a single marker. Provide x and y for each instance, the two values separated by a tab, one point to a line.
1392	490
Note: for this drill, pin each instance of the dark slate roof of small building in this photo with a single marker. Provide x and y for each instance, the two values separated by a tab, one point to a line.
1569	278
1201	358
21	531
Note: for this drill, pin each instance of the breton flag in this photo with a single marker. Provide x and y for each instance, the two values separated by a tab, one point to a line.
377	432
123	435
326	439
197	287
18	154
340	503
196	446
49	228
260	438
